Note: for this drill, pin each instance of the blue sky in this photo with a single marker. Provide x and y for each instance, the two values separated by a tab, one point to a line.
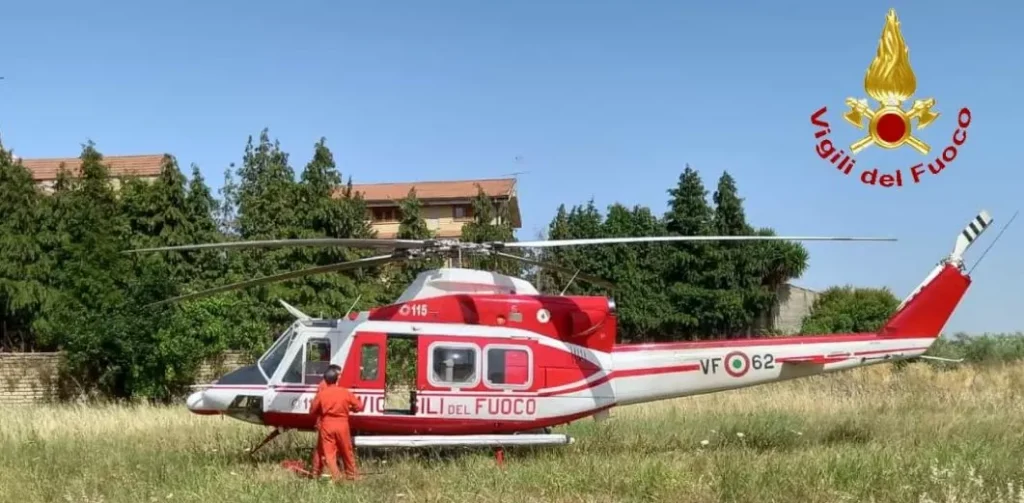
607	100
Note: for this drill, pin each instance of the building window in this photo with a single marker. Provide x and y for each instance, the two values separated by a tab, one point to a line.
454	365
369	362
388	214
508	367
462	212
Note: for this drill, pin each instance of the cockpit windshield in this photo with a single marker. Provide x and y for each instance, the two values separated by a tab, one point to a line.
272	358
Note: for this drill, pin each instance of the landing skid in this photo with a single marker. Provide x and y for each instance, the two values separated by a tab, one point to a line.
271	436
461	440
498	442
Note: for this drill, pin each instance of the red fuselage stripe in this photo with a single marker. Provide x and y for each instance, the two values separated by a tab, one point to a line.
772	341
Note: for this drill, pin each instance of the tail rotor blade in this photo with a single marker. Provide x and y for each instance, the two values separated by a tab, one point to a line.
341	266
280	243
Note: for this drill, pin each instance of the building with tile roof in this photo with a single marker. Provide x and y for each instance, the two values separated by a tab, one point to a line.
44	170
447	205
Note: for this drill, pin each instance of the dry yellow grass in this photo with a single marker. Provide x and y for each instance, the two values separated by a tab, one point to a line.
875	434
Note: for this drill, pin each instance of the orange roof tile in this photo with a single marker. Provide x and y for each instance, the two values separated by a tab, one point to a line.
459	189
120	165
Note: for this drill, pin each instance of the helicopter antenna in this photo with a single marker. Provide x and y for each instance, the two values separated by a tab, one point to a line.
353	306
1008	222
569	283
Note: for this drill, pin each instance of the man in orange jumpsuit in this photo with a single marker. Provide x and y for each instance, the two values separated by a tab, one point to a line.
318	453
331	407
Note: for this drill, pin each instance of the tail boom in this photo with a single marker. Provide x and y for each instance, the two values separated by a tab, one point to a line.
649	372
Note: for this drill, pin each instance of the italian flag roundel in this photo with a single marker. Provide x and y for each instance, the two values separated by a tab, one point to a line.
736	364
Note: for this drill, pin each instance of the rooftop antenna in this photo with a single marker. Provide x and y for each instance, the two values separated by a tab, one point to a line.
518	160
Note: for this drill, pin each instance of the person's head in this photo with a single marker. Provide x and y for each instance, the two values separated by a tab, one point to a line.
331	374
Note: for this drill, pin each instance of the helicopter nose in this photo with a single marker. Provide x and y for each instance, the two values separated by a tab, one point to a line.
197	405
206	402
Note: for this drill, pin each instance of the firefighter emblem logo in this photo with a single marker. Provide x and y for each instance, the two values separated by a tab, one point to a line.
890	81
893	119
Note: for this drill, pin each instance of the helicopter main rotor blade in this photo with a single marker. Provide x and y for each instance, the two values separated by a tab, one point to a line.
279	243
341	266
656	239
548	265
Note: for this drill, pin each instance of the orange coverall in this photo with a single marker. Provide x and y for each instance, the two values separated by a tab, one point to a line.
318	453
332	406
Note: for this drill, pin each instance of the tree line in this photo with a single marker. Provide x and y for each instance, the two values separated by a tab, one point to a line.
66	283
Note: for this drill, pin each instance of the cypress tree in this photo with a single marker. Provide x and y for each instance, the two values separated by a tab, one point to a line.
22	293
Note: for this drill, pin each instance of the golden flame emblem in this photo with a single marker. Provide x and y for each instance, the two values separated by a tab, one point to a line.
890	81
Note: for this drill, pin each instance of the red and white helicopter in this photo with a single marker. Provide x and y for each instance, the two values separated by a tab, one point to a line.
499	363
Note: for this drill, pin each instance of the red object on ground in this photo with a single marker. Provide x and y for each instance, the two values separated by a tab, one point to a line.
297	466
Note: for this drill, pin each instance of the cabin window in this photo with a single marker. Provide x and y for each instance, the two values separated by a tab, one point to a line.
369	362
454	365
318	358
508	367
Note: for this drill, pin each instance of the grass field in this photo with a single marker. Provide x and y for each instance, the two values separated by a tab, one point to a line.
874	434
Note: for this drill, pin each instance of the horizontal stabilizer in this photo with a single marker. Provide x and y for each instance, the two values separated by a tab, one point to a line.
970	234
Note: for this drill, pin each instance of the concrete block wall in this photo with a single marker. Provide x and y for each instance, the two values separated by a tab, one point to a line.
794	305
27	378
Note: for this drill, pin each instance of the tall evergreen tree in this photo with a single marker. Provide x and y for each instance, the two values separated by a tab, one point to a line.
550	281
691	267
411	225
157	215
267	198
729	218
637	272
97	319
201	210
734	277
323	212
22	294
490	223
267	191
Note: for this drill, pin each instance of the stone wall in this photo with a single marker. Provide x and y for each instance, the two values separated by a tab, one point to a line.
794	305
787	315
27	378
212	370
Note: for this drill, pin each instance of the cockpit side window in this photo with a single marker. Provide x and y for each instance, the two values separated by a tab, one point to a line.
294	372
318	358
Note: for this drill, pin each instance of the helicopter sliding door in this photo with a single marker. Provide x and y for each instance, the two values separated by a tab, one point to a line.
384	364
400	374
